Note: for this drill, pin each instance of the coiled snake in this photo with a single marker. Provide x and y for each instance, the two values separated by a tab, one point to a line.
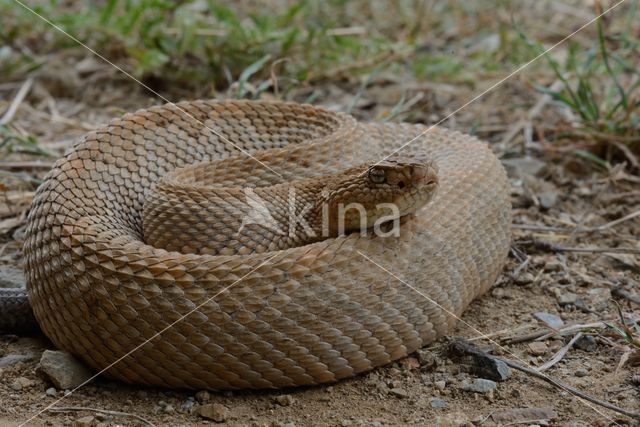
307	314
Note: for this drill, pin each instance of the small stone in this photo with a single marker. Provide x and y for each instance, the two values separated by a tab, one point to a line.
437	403
479	385
524	279
12	359
552	320
427	359
51	392
21	382
548	199
64	370
284	400
203	396
168	409
586	343
538	348
440	385
187	406
214	411
346	423
581	373
553	265
83	422
399	392
524	167
410	363
567	298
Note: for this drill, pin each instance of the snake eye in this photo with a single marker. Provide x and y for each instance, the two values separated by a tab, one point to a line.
377	176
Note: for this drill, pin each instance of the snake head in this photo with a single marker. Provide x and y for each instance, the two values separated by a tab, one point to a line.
392	188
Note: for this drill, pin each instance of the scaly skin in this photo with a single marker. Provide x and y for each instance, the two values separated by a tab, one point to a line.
305	315
185	212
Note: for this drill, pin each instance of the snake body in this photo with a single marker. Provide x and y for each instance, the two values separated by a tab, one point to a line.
304	315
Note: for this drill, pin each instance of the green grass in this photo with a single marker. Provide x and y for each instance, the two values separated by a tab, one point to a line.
601	86
216	43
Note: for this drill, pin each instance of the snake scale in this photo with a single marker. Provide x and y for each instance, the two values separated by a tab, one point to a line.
304	315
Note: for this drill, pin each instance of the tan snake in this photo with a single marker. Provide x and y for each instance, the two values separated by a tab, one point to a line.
309	314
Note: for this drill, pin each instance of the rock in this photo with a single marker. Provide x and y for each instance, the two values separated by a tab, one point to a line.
409	363
553	265
567	298
538	348
598	298
51	392
21	383
479	385
524	167
586	343
478	362
551	320
284	400
427	359
581	373
187	406
437	403
64	371
83	422
440	385
203	396
214	411
524	279
12	359
168	409
399	392
548	199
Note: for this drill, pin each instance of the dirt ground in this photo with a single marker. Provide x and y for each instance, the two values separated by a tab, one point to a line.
558	202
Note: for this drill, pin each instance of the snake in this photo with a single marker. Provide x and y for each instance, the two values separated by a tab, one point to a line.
136	264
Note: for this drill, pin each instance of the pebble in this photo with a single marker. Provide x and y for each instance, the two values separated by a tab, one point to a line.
64	370
548	199
51	392
523	167
479	385
83	422
552	320
440	385
538	348
284	400
399	392
437	403
214	411
581	373
524	279
553	265
21	382
187	405
410	363
586	343
168	409
567	298
203	396
427	359
12	359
